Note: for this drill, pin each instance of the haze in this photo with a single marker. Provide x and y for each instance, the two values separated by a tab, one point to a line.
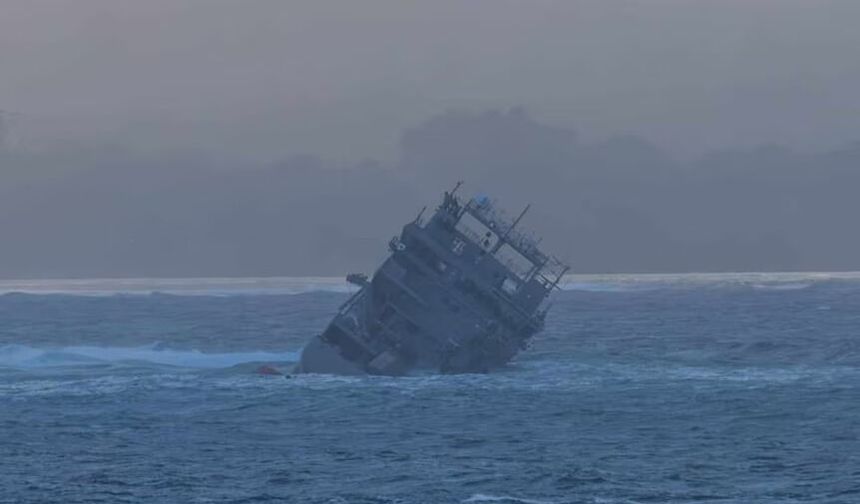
216	138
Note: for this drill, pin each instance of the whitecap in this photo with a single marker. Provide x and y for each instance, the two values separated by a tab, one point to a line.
178	286
504	498
298	285
788	286
26	357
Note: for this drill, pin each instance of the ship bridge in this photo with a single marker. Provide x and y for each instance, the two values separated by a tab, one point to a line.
495	233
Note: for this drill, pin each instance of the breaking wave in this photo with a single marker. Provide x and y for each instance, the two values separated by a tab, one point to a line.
756	281
504	499
178	286
27	357
300	285
787	286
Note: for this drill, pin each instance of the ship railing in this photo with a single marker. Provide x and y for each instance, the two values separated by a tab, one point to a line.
528	318
552	273
547	268
349	303
525	244
554	267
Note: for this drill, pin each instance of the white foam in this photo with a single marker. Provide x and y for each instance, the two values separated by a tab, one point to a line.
298	285
644	282
785	286
27	357
177	286
504	498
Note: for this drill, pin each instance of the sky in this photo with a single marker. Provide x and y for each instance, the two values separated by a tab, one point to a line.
212	137
341	79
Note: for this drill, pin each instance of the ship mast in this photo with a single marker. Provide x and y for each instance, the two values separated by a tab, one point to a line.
454	190
504	237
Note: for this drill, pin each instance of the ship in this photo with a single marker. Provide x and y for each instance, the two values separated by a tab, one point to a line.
463	291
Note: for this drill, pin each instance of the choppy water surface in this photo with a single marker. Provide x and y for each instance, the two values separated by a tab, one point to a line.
714	388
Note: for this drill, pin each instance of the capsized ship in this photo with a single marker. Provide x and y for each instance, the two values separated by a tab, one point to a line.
462	292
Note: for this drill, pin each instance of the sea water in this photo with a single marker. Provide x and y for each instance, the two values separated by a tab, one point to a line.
673	388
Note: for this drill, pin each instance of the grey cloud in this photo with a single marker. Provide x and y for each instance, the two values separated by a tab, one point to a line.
270	78
215	137
608	206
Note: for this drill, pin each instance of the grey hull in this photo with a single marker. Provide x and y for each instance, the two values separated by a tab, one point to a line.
320	357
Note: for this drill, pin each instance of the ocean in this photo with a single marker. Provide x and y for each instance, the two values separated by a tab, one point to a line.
735	388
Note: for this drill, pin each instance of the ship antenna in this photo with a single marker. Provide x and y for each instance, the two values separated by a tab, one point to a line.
516	221
454	190
558	278
420	214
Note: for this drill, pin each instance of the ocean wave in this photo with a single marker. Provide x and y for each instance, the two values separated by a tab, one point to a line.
756	281
504	499
300	285
27	357
787	286
178	286
609	286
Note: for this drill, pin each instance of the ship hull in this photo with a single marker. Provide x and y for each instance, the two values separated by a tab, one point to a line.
321	357
405	320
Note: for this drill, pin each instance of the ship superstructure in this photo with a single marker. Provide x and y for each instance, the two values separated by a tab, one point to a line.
463	291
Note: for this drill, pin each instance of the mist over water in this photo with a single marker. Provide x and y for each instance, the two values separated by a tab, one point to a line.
619	205
680	388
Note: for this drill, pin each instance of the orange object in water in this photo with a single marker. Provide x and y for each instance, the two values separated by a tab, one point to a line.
268	370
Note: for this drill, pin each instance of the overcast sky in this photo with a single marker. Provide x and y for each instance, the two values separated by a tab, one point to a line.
268	78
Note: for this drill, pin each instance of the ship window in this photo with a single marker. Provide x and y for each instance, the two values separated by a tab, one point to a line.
514	261
475	231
